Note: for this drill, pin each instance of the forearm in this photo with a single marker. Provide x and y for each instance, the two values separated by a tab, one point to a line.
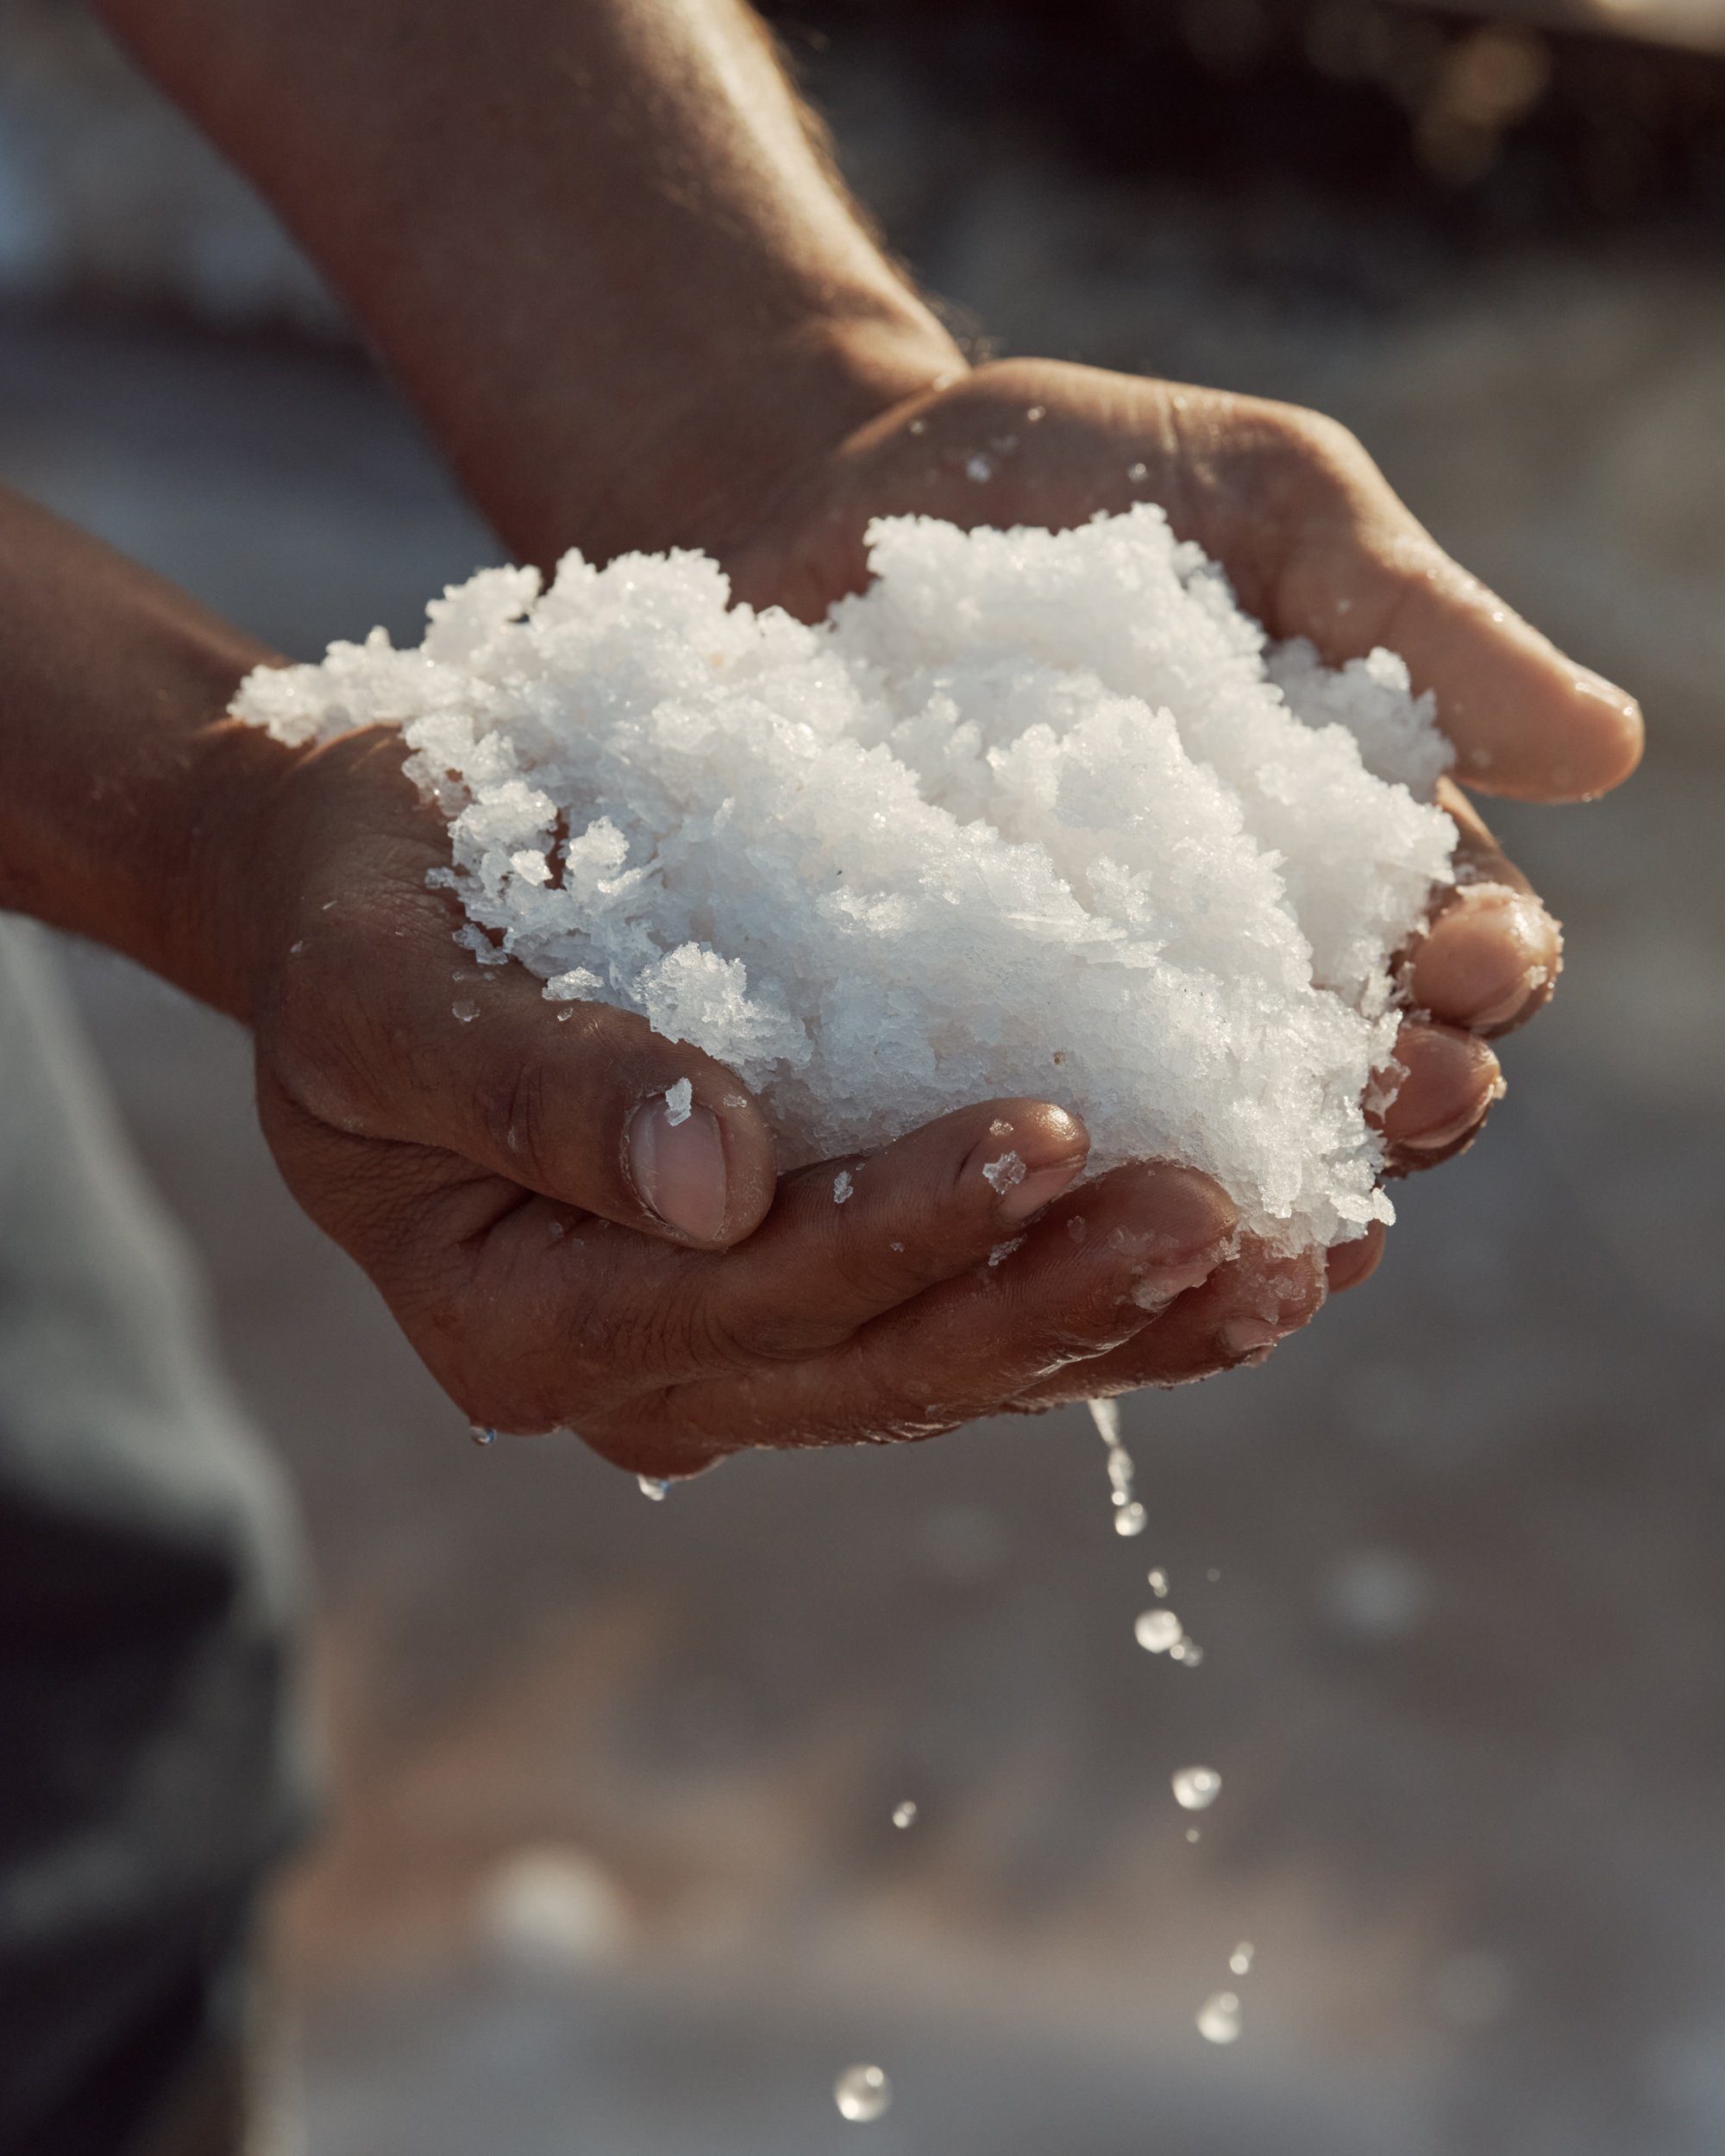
125	791
596	241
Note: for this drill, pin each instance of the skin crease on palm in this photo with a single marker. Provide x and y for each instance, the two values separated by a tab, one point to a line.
643	314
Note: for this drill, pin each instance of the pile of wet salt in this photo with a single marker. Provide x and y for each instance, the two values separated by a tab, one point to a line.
1036	813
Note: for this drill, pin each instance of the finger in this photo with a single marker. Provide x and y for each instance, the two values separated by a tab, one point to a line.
1447	1082
1351	1264
1235	1318
1090	1273
576	1100
1359	572
1490	956
845	1241
849	1239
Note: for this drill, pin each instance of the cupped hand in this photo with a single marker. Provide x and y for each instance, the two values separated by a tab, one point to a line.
1317	545
567	1247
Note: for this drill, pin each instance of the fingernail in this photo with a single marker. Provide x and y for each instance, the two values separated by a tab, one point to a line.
1038	1188
1488	955
677	1165
1245	1339
1434	1141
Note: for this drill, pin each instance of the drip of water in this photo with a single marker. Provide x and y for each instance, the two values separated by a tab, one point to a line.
1218	2018
1158	1584
1158	1631
862	2093
483	1434
1129	1514
905	1815
1195	1788
1241	1961
650	1486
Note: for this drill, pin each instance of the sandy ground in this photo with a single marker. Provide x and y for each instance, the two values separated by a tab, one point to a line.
1451	1555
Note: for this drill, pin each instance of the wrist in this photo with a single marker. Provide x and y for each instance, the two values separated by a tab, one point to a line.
711	447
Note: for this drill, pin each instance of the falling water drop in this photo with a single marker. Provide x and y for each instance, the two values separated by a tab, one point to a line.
650	1486
1157	1630
1130	1519
483	1434
1158	1584
1241	1961
905	1815
1218	2018
1195	1788
862	2093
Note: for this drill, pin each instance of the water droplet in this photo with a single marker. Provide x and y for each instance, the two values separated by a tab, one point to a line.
466	1011
294	950
1033	412
1157	1630
1137	473
1192	1833
862	2093
1130	1519
905	1815
1218	2018
1195	1788
1106	1414
1241	1961
651	1486
1186	1650
979	469
1213	1575
483	1434
1158	1582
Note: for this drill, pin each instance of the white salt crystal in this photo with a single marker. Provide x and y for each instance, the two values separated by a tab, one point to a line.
841	1186
1004	1173
679	1102
1037	813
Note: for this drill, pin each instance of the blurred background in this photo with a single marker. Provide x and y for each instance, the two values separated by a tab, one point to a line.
610	1865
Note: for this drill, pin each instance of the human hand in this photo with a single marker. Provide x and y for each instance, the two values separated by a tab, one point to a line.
563	1253
1317	545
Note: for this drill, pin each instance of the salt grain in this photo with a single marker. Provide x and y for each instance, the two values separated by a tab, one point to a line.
1004	1174
679	1102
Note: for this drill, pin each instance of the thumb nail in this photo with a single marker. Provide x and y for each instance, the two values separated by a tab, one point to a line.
677	1164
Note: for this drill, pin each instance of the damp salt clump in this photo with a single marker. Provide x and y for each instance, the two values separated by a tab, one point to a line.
1036	813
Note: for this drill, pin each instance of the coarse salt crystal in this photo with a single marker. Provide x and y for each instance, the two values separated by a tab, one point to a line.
1004	1173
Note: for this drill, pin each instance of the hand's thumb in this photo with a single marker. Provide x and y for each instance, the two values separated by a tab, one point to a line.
575	1101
